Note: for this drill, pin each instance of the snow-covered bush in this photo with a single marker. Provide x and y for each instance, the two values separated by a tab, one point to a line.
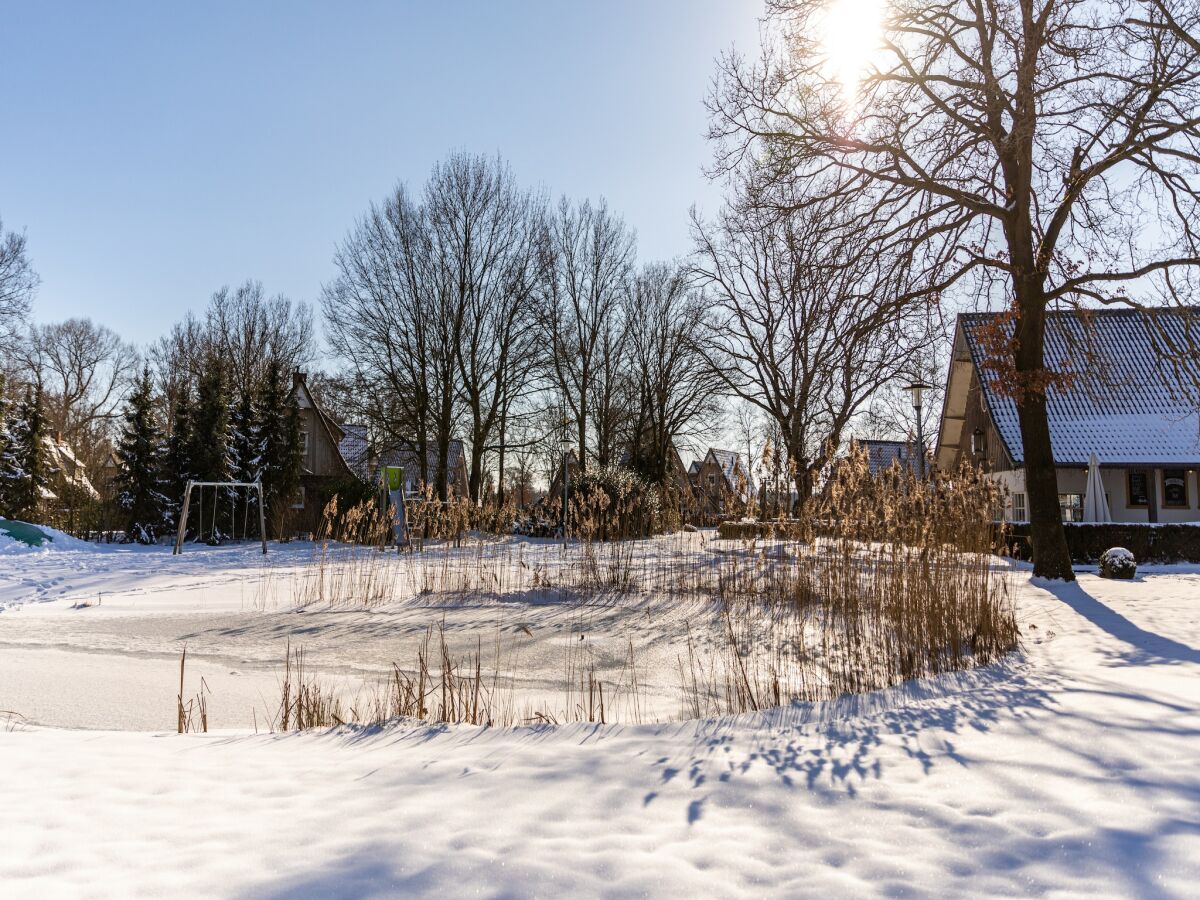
1117	562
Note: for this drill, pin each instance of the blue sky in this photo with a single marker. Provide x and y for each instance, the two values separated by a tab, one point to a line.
153	152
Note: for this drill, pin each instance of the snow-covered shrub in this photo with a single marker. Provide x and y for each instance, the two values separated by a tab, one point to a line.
1117	562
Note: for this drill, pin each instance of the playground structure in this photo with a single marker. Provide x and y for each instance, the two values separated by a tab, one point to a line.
187	499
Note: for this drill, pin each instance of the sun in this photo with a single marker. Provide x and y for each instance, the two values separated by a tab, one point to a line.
851	38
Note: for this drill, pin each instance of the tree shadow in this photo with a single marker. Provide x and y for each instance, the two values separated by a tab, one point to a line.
1146	647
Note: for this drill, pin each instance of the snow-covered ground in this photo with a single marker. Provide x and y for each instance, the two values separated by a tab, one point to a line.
1070	769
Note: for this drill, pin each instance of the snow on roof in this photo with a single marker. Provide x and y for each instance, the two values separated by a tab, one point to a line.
1125	403
733	468
406	456
354	448
68	467
881	454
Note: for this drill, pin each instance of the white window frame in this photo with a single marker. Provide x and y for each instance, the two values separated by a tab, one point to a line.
1019	509
300	496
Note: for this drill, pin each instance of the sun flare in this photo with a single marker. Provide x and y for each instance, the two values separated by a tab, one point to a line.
851	36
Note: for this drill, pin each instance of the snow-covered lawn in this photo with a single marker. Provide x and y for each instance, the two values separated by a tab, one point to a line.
1070	769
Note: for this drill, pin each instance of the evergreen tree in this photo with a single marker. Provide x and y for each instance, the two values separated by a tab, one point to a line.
245	449
178	468
279	432
31	474
209	447
245	454
8	461
140	453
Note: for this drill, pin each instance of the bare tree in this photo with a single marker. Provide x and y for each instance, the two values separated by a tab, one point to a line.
82	370
592	254
807	321
244	330
379	315
488	237
1036	152
247	330
675	390
18	281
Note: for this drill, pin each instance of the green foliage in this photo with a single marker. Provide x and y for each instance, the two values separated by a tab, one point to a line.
140	452
279	432
209	446
30	472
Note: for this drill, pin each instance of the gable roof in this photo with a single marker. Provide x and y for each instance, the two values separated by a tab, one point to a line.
405	454
354	448
304	398
881	454
731	466
1125	402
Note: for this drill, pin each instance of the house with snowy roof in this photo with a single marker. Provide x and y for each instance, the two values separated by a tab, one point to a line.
722	485
1125	400
882	454
407	455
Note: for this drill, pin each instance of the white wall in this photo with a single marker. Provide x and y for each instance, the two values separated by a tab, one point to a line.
1074	481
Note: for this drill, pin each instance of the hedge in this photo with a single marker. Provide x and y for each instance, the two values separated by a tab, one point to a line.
1148	543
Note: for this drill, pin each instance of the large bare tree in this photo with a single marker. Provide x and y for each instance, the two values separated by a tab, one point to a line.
1036	152
489	239
592	252
17	284
675	391
82	370
391	314
808	320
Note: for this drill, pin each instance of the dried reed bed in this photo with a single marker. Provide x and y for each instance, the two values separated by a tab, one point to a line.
884	579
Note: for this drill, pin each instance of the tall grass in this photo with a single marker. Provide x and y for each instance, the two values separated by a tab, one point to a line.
883	579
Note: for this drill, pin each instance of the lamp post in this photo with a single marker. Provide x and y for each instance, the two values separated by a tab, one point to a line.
915	389
565	445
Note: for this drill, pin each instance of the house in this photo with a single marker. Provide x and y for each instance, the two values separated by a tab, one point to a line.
678	479
70	474
1123	402
722	485
355	449
408	457
881	455
322	466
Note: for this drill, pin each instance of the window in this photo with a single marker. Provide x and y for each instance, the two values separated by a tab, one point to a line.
1138	486
977	445
1018	509
298	502
712	481
1071	506
304	443
1175	488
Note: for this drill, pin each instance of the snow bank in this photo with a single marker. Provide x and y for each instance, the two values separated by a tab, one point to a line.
1069	770
59	540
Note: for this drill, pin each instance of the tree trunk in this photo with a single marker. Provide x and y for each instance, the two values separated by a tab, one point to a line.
476	476
1051	556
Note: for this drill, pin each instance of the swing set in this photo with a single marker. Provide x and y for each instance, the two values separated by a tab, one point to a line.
187	500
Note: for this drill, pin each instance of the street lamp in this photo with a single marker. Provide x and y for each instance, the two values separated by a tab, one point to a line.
915	389
565	445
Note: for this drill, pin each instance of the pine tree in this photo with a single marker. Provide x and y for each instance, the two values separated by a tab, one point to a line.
31	475
140	453
279	432
209	449
245	449
177	467
8	461
245	453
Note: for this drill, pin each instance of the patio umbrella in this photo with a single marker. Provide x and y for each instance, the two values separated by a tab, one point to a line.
1095	504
